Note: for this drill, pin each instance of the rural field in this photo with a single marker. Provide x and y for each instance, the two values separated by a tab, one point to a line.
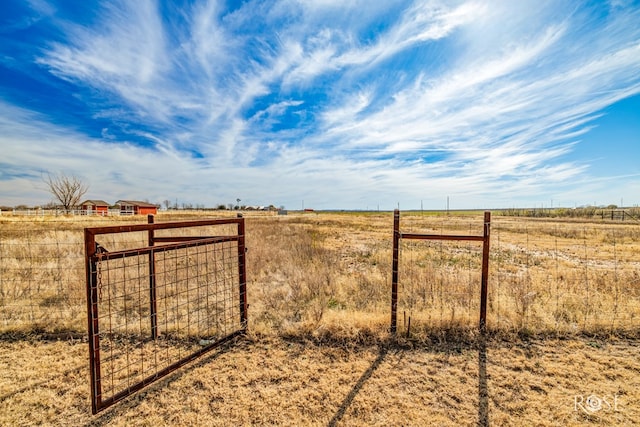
563	323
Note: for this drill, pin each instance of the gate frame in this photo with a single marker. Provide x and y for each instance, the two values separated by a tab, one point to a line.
397	235
94	253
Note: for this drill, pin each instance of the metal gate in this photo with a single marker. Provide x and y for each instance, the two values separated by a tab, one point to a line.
398	236
156	307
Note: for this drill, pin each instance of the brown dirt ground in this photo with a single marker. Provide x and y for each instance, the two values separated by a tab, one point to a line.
277	381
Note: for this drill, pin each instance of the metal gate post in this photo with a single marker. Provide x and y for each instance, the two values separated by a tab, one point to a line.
153	309
92	319
242	272
485	271
394	271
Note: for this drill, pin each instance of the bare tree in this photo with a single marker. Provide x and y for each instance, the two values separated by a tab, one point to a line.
68	190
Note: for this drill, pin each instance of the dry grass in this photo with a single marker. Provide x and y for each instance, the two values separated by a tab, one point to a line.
309	271
564	317
546	277
272	381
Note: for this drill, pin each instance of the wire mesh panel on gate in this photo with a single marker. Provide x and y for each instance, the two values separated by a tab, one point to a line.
153	309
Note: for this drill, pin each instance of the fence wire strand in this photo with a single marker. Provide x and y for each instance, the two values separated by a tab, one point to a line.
562	277
559	276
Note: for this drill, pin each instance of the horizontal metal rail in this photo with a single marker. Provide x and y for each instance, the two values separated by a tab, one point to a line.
105	256
180	239
440	237
160	226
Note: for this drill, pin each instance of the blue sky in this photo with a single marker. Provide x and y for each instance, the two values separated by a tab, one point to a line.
340	104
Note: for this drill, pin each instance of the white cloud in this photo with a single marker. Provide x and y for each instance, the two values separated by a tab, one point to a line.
334	50
395	100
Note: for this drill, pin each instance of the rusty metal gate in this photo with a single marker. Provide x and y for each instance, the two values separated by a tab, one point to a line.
398	236
156	307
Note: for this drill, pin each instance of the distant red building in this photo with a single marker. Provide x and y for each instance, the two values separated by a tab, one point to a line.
134	207
95	207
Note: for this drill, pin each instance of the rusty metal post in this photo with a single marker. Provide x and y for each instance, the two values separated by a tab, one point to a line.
394	271
485	271
153	308
242	271
92	319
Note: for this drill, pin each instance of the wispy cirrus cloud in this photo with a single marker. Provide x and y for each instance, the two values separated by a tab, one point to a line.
420	23
512	112
353	105
126	54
